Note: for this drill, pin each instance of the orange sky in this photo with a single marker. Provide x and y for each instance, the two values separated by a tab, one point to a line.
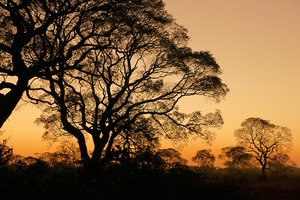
257	45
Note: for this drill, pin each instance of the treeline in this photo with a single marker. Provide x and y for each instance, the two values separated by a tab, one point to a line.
149	174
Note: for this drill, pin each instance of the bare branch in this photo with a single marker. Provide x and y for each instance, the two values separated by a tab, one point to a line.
4	85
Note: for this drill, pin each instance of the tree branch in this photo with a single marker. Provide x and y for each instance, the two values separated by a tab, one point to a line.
4	85
5	48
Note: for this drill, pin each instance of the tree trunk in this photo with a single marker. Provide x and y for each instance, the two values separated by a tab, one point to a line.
263	170
98	159
98	148
85	158
9	101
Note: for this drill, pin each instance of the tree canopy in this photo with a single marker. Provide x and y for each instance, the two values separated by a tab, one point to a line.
99	67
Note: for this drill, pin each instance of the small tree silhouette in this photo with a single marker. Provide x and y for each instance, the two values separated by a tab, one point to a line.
236	157
204	158
171	158
264	140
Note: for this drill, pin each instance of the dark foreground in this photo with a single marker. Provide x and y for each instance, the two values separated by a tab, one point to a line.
45	183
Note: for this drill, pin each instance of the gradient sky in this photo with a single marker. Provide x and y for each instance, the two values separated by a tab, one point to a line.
257	45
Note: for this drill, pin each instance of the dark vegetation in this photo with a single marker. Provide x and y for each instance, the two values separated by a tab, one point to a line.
161	174
41	181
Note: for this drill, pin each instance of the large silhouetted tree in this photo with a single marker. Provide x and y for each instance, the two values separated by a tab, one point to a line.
38	36
140	76
264	140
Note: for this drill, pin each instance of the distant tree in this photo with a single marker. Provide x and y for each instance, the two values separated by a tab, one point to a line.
6	152
264	140
204	158
36	36
54	159
281	163
171	158
21	162
69	152
149	160
141	70
236	157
